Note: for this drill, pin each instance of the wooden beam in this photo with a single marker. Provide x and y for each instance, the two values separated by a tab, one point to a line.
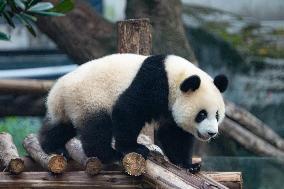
25	86
232	180
9	156
78	179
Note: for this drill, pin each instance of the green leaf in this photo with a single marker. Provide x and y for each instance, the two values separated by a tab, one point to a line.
48	13
41	7
8	18
64	6
26	22
4	36
32	2
31	30
29	17
20	4
2	6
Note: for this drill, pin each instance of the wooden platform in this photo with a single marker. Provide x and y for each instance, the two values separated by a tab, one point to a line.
78	179
106	179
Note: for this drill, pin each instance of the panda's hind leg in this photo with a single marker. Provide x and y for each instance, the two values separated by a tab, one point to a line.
95	134
54	135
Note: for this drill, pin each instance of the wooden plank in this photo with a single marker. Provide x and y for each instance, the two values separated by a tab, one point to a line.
232	180
80	179
107	178
25	86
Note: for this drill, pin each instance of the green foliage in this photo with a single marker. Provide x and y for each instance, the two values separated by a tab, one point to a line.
19	128
26	12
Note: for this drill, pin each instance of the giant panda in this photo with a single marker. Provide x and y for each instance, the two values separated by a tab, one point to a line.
114	96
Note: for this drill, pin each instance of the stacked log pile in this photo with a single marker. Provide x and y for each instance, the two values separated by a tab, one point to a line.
158	171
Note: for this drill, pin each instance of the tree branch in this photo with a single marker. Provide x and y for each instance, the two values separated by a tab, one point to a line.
83	34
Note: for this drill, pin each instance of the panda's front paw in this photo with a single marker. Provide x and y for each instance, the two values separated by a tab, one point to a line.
143	150
193	168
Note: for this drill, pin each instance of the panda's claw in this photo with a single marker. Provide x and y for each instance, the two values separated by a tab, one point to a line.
194	168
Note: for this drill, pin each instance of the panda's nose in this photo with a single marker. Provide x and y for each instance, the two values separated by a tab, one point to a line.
211	134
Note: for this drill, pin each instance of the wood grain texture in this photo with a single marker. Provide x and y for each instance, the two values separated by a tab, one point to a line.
232	180
134	36
78	179
167	175
9	156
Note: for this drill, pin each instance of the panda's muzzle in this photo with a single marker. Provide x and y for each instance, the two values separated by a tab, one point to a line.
202	137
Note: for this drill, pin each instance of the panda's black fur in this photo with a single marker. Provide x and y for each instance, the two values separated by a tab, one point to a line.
146	99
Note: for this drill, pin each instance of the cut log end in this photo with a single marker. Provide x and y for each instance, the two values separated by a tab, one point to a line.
134	164
93	166
16	166
57	164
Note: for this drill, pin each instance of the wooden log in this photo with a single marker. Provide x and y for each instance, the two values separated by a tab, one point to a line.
229	179
134	36
9	156
253	124
134	164
166	175
232	180
92	165
108	179
54	163
25	86
250	141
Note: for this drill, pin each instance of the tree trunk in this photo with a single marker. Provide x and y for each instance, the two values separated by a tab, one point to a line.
168	32
83	34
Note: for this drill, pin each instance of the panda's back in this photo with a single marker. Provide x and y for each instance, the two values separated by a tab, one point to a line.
94	85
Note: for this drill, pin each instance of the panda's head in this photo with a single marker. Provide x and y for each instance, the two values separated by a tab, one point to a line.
199	106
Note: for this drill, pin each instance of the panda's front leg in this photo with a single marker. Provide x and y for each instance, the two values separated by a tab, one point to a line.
126	128
177	145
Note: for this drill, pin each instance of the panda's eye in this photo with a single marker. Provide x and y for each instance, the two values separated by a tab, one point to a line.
217	116
201	116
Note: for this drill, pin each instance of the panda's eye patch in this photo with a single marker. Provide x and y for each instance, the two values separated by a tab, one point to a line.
201	116
217	116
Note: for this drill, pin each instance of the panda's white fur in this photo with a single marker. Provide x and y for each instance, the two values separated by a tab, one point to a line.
116	95
94	85
185	106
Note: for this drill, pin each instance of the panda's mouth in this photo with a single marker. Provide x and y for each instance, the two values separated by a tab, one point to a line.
202	137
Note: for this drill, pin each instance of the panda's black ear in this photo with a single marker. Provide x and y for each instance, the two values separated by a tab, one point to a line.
191	83
221	82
